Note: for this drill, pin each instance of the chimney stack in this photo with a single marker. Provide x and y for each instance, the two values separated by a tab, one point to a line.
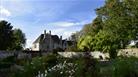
50	32
60	37
60	41
44	33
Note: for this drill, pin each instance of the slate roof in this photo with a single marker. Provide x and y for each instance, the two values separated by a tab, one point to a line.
55	38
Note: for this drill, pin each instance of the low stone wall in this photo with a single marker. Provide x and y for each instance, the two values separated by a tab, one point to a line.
19	54
95	54
129	52
4	54
22	54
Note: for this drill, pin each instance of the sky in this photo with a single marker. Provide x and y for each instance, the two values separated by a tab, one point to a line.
62	17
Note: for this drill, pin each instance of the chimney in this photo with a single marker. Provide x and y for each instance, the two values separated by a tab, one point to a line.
60	41
60	37
50	41
44	33
50	32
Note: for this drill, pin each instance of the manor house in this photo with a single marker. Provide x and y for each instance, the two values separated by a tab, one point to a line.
48	42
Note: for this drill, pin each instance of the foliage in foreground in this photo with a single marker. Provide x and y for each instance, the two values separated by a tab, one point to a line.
7	62
121	67
126	67
56	66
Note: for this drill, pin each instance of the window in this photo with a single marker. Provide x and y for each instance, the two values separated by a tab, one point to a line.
35	46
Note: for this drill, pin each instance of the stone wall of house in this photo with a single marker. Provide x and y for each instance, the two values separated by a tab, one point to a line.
35	47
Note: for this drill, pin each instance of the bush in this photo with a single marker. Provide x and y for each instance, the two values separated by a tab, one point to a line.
7	62
126	67
87	67
31	69
113	54
54	65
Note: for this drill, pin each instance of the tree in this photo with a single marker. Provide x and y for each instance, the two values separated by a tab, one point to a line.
19	39
106	42
93	28
89	32
114	27
6	36
87	29
120	16
11	39
84	43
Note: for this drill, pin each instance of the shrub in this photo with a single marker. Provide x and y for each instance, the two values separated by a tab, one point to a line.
31	69
86	67
7	62
54	65
126	67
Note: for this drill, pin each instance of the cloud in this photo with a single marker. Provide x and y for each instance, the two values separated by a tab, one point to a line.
2	18
56	31
64	32
67	34
4	12
28	43
67	24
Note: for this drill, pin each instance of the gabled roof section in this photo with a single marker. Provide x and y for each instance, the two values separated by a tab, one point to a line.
55	38
39	39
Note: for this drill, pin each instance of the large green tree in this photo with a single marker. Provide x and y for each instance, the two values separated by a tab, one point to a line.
120	17
89	32
93	28
19	39
11	39
6	36
114	27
